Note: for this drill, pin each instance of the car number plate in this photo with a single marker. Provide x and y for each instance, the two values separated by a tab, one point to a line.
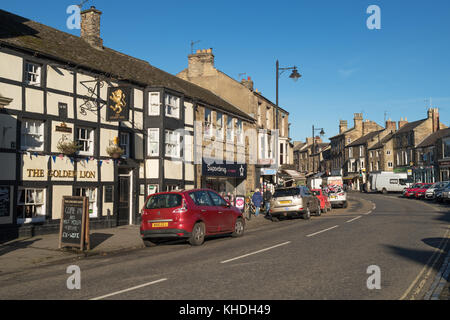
333	197
160	224
285	202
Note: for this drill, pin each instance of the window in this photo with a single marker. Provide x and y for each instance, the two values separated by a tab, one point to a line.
154	103
219	124
239	132
216	199
361	150
32	135
172	144
259	113
281	153
33	74
268	119
350	152
124	143
91	194
30	205
446	148
388	152
208	123
230	133
390	164
201	198
172	106
4	201
393	181
172	187
162	201
85	138
153	142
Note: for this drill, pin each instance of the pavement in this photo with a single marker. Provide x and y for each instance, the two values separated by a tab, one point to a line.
24	253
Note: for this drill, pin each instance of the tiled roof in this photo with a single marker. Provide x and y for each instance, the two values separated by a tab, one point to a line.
32	36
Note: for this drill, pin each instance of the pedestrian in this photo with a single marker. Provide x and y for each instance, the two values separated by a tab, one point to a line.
257	200
267	198
230	198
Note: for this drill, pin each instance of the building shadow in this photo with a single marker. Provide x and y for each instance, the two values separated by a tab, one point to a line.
97	239
12	26
16	245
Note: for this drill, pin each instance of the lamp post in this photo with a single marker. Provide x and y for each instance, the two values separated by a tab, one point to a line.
314	143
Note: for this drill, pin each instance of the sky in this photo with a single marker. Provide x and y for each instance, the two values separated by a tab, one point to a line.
387	73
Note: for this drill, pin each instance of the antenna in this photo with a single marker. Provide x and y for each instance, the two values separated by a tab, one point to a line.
82	3
192	45
385	114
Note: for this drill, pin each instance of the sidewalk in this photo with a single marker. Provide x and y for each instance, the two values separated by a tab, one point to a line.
24	253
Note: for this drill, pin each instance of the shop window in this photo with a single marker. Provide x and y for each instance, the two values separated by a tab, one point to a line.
172	106
33	74
124	143
153	142
154	103
30	205
91	194
172	187
172	143
32	135
85	138
5	198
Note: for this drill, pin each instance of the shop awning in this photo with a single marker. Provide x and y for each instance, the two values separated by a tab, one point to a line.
294	174
351	176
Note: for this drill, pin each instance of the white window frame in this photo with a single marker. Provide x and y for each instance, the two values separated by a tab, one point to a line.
154	103
28	129
124	143
240	132
150	141
172	144
91	194
230	130
219	126
39	217
172	103
207	120
33	73
86	141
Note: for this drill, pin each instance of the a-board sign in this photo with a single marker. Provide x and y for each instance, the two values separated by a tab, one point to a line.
74	227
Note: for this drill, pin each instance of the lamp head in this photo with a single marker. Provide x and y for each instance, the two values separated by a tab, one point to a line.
295	75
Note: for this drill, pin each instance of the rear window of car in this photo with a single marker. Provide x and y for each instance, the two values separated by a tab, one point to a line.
161	201
286	192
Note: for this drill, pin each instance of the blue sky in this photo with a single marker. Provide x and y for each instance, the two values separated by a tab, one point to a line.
346	67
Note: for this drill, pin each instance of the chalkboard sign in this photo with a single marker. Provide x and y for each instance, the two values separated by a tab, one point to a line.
74	227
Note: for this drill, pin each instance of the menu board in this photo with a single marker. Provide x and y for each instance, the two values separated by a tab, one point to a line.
74	227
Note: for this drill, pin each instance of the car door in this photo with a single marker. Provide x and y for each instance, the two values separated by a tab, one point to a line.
224	212
206	209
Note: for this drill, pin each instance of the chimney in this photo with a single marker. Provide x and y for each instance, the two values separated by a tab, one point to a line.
342	126
90	27
433	114
309	140
358	120
248	83
200	63
391	125
402	122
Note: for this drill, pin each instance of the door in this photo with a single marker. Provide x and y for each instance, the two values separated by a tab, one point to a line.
206	209
124	201
224	213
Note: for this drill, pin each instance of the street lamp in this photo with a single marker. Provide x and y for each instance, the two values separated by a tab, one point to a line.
322	133
294	76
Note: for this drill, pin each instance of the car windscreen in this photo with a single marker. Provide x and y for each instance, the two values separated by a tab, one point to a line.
162	201
286	192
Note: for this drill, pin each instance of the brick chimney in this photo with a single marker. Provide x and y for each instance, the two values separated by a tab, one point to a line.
200	63
391	125
433	113
358	120
342	126
402	122
248	83
90	27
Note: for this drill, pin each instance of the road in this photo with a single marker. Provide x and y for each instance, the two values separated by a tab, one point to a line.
326	257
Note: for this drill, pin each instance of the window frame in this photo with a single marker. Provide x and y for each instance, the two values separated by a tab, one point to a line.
41	134
168	105
150	141
151	111
125	147
91	139
38	218
36	73
91	201
171	142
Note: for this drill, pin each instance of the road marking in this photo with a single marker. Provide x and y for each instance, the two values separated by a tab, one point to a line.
354	219
259	251
130	289
313	234
439	250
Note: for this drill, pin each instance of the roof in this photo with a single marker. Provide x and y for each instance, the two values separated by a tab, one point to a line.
382	141
432	138
365	138
410	126
32	36
341	134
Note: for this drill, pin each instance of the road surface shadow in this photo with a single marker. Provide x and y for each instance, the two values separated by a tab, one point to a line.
98	238
16	245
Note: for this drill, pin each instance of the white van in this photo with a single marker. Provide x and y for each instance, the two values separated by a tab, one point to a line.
389	182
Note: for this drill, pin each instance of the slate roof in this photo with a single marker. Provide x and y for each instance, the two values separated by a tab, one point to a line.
32	36
365	138
432	138
410	126
382	141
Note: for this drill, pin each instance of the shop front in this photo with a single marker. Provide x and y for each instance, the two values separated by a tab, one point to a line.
444	171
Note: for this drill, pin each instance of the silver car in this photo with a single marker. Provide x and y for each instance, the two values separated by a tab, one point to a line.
294	201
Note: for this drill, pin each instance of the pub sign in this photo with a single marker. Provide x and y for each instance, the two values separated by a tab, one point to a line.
118	104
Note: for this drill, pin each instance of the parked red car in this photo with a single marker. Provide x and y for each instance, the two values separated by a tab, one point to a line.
188	214
410	192
325	204
420	193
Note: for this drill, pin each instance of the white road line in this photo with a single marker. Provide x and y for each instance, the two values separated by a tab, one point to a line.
130	289
313	234
354	219
259	251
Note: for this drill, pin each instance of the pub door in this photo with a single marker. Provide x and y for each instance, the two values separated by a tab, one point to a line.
124	200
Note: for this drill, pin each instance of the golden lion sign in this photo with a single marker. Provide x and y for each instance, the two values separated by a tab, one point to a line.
118	104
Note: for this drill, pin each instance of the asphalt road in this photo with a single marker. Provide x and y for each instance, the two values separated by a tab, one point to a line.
326	257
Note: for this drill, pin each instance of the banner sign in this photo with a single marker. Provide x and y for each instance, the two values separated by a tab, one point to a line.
224	170
118	104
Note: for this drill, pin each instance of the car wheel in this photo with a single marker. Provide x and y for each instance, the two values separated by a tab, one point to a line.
319	211
198	234
238	228
307	214
384	191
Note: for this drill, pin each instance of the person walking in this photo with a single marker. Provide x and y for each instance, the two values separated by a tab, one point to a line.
267	197
257	199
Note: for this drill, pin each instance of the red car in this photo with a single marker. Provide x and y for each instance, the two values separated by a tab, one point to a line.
325	204
410	192
188	214
420	193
